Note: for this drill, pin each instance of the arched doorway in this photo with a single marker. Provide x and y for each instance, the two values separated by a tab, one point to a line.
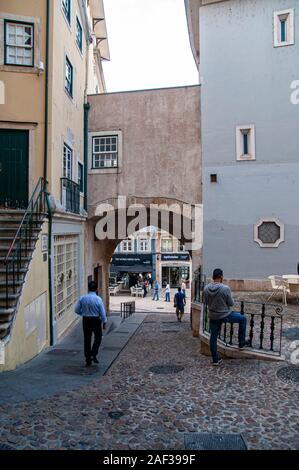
109	225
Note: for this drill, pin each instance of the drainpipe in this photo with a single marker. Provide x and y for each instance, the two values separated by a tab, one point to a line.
89	41
46	96
50	270
46	172
86	111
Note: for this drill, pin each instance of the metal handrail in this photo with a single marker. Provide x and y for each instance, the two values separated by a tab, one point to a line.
35	208
276	314
39	184
265	320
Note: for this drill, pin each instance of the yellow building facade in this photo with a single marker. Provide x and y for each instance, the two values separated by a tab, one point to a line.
51	54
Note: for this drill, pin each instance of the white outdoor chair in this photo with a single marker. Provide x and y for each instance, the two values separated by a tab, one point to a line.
294	289
139	292
279	284
133	291
113	290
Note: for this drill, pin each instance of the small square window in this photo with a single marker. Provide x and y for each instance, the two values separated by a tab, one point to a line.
213	178
104	154
284	34
245	142
19	43
126	246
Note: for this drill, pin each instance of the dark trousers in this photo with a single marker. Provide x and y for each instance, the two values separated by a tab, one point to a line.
233	317
92	325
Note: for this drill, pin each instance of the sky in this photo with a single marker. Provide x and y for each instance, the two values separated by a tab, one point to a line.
149	45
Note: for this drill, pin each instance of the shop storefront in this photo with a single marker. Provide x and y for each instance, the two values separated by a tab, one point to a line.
175	269
130	268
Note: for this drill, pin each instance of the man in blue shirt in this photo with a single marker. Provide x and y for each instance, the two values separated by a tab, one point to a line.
179	303
92	309
156	291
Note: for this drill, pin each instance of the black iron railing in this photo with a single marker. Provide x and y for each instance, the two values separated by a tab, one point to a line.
264	326
199	285
127	309
70	195
22	244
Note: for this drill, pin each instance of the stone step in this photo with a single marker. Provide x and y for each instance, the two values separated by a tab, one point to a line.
9	228
10	258
12	212
10	296
6	312
10	271
4	326
4	247
4	238
10	283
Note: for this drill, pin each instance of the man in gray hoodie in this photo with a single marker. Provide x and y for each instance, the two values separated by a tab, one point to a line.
219	300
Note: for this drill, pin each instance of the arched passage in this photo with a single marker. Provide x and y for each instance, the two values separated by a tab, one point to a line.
114	220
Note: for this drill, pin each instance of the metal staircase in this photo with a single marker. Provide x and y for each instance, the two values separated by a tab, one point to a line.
19	232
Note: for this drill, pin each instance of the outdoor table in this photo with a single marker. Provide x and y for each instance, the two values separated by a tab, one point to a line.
291	278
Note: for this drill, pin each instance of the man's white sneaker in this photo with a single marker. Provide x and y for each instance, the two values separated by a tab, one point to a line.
218	363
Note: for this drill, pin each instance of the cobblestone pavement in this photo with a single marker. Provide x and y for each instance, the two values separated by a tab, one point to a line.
155	410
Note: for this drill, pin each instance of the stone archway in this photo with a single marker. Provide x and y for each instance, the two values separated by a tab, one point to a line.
119	220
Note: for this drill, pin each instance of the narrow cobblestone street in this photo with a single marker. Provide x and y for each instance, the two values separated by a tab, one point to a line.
132	407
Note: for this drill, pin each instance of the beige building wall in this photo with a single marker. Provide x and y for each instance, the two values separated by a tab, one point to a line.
24	87
67	113
23	109
159	154
67	125
30	332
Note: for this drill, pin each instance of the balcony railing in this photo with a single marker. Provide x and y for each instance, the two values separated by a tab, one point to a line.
70	196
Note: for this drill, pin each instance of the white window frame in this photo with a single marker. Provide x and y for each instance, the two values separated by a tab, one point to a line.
240	131
103	153
256	232
70	153
127	246
68	20
171	241
105	170
78	22
141	247
21	24
67	63
289	17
